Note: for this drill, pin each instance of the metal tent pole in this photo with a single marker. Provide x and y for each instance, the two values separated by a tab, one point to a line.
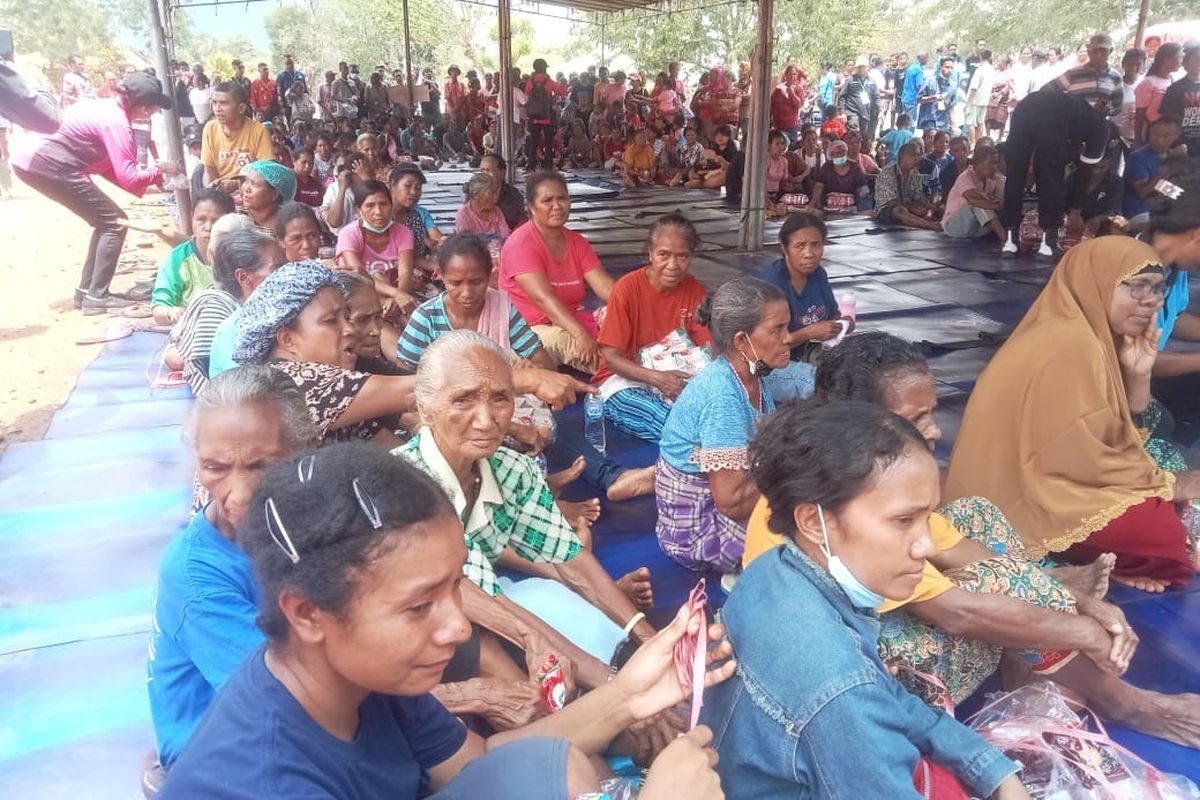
408	72
162	63
754	179
508	125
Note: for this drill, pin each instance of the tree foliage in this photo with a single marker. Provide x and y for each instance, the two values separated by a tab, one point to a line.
700	34
56	29
1009	25
365	32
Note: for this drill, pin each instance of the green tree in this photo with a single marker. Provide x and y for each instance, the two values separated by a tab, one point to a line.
56	29
365	32
699	34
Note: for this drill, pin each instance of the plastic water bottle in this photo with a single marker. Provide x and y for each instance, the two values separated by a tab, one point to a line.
593	421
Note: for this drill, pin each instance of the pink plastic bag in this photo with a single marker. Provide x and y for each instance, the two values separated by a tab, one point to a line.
1066	754
692	650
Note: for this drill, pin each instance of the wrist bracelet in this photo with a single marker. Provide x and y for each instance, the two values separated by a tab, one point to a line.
634	620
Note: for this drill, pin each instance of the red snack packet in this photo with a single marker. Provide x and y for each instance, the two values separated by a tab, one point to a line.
692	650
554	686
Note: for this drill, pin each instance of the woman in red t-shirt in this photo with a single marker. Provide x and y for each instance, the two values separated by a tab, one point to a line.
647	306
547	269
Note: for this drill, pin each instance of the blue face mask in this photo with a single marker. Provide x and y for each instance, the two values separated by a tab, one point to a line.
839	160
373	229
860	596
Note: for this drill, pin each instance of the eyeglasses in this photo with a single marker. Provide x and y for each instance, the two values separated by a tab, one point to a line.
1138	290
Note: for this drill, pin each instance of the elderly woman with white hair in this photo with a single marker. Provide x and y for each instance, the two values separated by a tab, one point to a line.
481	212
464	390
206	602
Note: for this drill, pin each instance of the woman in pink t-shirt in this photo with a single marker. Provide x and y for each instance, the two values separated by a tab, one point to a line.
547	269
1149	93
374	245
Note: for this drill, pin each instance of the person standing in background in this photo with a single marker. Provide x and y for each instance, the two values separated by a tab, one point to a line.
284	81
239	77
1131	68
1182	100
262	92
76	85
914	79
979	95
1149	93
182	87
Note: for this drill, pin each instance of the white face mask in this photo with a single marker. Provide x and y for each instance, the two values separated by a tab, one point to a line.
860	596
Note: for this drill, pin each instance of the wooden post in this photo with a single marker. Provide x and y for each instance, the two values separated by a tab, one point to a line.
1140	33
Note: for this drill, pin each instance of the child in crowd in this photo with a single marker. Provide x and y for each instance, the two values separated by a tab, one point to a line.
186	271
613	149
309	188
691	154
579	147
835	123
898	136
638	161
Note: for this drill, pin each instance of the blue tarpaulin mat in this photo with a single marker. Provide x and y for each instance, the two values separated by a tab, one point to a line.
86	512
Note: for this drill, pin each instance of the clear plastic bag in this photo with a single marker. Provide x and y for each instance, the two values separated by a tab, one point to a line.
1065	753
612	789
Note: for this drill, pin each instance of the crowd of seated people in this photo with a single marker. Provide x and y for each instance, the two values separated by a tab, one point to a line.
381	562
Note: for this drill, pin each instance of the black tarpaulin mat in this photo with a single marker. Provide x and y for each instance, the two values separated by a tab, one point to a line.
955	287
961	368
940	327
873	297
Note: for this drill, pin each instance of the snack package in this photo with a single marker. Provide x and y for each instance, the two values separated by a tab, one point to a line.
675	351
1065	752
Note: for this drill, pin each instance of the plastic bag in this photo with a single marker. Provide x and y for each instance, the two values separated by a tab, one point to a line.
1065	752
675	351
612	789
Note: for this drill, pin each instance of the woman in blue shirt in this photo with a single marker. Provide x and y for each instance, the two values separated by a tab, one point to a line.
813	315
362	613
851	487
204	609
702	488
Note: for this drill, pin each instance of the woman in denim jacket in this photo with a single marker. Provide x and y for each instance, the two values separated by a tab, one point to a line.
812	711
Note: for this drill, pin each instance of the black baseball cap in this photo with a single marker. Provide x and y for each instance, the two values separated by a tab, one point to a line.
145	90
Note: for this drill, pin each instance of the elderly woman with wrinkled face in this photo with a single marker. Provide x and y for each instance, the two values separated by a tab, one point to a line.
465	392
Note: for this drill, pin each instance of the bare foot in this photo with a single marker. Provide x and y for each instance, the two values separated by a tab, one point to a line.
1175	717
632	483
636	586
1151	585
577	511
557	480
1090	578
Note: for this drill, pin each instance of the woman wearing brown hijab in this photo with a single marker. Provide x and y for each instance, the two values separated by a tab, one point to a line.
1055	430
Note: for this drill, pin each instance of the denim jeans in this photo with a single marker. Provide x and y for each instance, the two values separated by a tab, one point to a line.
796	381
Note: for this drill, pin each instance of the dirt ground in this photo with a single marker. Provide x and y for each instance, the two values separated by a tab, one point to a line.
42	247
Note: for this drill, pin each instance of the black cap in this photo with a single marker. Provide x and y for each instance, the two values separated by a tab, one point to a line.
145	90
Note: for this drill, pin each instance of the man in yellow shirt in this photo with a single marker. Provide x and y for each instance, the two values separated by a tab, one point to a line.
231	140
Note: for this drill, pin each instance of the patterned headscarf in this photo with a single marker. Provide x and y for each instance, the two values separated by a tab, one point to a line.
277	302
281	178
